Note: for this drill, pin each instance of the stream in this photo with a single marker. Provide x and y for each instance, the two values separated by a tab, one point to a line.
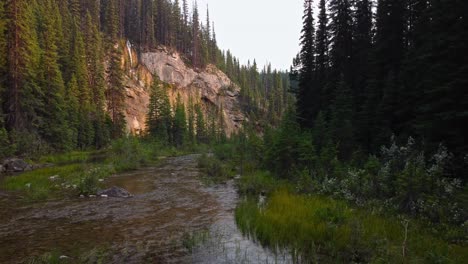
169	204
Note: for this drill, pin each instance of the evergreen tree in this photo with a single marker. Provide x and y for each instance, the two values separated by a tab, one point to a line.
179	127
200	125
23	67
196	56
341	123
308	100
111	19
53	127
147	25
191	122
322	44
341	40
72	111
116	93
158	121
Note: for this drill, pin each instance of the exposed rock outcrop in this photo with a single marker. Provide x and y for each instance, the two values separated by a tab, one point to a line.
115	192
16	165
209	87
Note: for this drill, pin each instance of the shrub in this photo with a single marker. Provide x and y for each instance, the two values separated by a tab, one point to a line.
214	169
128	154
257	182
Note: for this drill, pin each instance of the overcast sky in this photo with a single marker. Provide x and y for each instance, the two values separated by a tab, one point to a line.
267	30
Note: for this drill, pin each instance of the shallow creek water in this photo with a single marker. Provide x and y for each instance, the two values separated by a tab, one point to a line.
169	202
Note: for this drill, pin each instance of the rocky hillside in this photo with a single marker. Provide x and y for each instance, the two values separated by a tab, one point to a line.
209	87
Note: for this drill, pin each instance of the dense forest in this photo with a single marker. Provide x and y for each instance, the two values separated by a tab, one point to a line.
381	107
400	70
358	154
62	77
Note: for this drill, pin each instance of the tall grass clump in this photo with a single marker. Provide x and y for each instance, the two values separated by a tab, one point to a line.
317	229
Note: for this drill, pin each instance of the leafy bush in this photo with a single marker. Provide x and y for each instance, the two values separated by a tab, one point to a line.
128	154
257	182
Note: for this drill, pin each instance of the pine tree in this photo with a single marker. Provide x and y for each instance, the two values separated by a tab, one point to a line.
308	100
341	40
362	48
23	67
158	119
322	44
111	19
191	122
116	93
72	111
177	23
75	9
179	127
3	55
200	125
5	148
196	56
53	128
341	126
96	80
147	25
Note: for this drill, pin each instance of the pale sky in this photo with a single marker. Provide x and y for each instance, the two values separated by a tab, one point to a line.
267	30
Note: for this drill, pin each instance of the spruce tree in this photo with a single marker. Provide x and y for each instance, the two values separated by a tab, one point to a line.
179	126
158	120
200	125
147	25
116	93
308	100
54	127
322	44
341	40
23	67
196	45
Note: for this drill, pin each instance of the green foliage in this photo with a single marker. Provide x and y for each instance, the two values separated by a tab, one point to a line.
127	154
213	169
159	115
314	227
257	182
6	149
179	126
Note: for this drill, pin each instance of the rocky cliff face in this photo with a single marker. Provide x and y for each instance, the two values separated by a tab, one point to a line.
209	87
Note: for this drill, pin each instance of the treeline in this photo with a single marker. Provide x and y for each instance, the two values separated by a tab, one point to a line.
364	76
61	73
55	85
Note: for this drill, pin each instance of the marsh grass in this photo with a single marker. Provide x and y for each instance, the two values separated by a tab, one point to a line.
316	228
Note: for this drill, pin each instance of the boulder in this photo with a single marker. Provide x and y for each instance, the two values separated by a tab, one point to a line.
16	165
116	192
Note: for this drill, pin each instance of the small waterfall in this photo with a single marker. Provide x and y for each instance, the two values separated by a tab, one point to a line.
129	48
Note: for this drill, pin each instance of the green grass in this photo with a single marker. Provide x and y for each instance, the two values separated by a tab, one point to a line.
324	230
67	158
78	172
67	179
